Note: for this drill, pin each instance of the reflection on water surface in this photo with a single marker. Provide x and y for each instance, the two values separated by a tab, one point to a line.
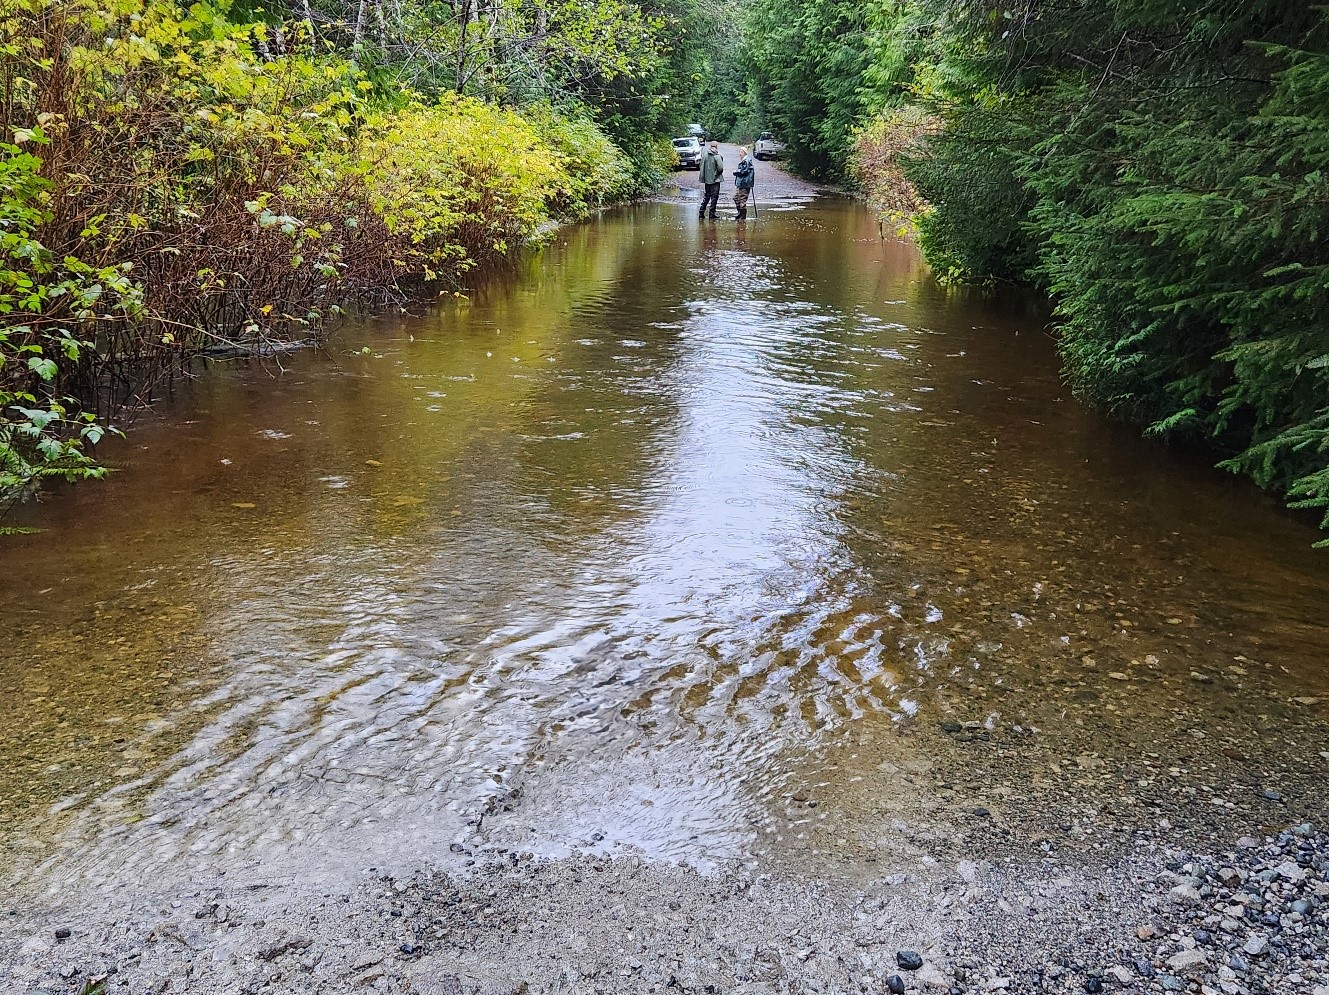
638	549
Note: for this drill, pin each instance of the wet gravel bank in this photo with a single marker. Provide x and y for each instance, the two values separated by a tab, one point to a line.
1247	920
1250	918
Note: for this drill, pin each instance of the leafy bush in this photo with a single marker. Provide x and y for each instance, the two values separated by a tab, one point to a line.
45	300
877	161
597	172
458	182
654	160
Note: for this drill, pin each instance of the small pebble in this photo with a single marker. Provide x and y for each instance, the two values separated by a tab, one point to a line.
909	960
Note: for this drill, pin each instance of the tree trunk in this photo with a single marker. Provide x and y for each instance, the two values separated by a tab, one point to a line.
359	35
463	25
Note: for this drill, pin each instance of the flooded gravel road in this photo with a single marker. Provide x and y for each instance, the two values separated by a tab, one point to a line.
745	556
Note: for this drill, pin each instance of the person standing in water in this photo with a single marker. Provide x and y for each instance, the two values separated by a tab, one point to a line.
712	171
745	178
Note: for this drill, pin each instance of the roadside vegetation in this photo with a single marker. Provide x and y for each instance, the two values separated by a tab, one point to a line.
176	178
1160	168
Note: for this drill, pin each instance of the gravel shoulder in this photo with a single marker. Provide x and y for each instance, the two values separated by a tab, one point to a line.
488	920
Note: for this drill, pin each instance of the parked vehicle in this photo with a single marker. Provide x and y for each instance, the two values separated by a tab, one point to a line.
688	151
697	132
768	147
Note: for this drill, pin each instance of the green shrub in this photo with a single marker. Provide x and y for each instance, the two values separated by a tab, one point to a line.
598	173
458	182
45	302
653	161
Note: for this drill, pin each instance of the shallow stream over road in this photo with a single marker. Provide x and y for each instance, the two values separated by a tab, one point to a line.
703	541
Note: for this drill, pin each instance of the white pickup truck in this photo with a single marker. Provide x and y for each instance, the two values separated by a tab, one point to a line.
768	147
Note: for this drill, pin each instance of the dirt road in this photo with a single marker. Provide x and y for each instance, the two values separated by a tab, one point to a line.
775	186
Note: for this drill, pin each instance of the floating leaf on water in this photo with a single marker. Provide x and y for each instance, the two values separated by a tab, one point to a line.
372	462
403	502
243	504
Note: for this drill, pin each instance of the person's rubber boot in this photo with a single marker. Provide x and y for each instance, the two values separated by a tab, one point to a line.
742	214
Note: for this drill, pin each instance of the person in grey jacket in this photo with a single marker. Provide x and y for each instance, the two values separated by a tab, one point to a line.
712	171
745	178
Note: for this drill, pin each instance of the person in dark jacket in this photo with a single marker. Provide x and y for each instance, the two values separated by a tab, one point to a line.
745	178
712	172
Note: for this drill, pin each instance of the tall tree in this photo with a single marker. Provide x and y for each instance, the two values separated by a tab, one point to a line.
822	66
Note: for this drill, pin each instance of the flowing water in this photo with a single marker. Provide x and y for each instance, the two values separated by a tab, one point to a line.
706	541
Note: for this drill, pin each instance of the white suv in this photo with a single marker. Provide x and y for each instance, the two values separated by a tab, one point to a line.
768	147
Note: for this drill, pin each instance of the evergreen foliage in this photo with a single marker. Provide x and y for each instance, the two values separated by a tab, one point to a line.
1157	165
1160	167
821	67
717	86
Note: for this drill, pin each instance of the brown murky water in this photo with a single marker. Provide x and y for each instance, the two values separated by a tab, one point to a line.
703	541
